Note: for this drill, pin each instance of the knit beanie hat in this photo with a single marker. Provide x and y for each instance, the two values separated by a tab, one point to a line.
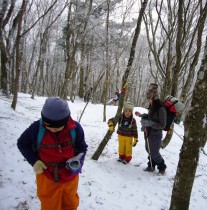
179	106
55	112
152	92
128	105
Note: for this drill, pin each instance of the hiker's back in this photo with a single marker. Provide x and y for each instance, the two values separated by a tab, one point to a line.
157	114
173	107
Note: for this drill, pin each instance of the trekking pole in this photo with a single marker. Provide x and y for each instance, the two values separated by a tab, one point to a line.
178	135
204	152
148	147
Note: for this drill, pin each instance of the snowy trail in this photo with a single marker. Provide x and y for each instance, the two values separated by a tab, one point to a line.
104	184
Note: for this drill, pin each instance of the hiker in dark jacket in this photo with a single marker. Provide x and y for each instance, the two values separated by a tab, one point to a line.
153	123
58	160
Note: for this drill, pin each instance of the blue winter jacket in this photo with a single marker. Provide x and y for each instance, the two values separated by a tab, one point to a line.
27	143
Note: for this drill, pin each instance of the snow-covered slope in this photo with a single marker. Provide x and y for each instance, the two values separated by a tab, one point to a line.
104	184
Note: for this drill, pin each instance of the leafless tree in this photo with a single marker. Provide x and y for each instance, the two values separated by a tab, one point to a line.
107	69
194	140
172	37
18	47
5	16
174	50
105	140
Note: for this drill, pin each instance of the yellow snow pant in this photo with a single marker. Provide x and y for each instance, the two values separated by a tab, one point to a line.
57	196
125	147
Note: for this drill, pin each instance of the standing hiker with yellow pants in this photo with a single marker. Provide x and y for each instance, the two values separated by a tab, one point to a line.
127	133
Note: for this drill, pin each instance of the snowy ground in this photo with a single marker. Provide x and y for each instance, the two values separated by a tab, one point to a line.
104	184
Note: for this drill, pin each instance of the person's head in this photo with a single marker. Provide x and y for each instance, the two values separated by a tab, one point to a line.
55	114
152	93
179	107
128	109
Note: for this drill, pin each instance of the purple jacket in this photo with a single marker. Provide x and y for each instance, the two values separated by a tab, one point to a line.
27	143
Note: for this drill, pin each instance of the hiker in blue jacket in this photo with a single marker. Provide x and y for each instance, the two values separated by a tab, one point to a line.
58	158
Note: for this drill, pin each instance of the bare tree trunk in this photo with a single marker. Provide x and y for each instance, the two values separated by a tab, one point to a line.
18	52
4	51
168	137
24	68
4	71
199	29
81	77
106	84
30	66
179	38
82	49
194	139
35	77
43	49
92	94
71	48
108	135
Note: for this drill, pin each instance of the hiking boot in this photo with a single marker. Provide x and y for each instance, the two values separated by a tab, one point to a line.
149	169
125	162
120	159
161	167
161	171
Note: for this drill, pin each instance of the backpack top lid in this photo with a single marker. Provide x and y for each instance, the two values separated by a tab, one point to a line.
173	104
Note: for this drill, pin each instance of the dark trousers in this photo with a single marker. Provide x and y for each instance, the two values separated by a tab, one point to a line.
154	138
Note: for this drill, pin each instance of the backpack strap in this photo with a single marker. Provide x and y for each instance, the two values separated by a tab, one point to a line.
56	168
73	136
65	144
42	130
41	133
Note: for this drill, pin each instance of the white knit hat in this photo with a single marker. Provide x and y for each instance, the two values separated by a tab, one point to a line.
128	106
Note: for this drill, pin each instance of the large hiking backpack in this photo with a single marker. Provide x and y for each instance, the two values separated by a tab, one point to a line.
172	105
42	130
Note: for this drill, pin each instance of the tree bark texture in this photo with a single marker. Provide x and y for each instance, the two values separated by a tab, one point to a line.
167	138
194	139
199	31
186	88
4	19
18	52
179	38
106	85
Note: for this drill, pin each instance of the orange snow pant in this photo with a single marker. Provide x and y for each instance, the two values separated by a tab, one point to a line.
125	147
57	196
